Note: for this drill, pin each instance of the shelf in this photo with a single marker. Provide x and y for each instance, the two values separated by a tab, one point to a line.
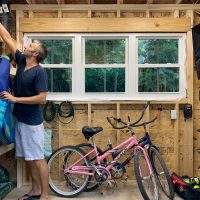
6	148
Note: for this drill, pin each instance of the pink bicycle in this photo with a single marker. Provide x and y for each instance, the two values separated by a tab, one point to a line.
71	170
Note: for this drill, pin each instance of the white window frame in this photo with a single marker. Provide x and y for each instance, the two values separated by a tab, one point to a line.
181	65
131	67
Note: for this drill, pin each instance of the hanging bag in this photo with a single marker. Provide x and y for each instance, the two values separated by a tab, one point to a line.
9	123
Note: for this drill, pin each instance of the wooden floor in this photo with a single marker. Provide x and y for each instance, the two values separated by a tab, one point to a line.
123	191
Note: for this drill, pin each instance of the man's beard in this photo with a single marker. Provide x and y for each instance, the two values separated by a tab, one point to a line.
27	54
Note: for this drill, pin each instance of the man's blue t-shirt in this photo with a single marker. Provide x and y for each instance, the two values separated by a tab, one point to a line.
28	83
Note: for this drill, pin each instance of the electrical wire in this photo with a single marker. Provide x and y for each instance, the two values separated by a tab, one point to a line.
65	110
49	111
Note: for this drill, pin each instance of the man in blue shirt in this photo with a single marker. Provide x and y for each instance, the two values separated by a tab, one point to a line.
30	90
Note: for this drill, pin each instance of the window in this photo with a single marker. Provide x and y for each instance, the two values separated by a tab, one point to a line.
158	65
114	66
104	64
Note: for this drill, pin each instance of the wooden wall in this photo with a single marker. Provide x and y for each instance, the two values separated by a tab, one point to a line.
178	140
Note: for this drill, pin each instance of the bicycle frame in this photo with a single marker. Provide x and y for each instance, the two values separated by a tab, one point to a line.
142	142
129	143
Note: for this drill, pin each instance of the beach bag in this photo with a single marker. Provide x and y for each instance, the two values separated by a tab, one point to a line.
9	123
186	187
3	107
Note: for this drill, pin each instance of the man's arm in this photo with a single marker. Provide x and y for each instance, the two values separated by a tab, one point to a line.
37	99
7	39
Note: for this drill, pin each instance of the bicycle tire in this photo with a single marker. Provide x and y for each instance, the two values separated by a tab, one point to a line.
93	183
161	172
140	163
56	167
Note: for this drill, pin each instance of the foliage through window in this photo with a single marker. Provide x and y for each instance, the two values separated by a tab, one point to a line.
108	76
104	80
158	65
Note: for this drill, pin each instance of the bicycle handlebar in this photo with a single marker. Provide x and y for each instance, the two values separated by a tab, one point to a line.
135	124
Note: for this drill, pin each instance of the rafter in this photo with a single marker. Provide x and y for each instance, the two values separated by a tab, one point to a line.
178	1
90	1
28	1
120	1
60	1
149	2
103	7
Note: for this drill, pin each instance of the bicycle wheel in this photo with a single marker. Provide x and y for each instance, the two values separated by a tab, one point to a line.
58	180
161	172
86	147
146	181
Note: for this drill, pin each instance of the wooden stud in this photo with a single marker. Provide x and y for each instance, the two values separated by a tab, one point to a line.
59	14
18	34
176	140
190	14
19	173
30	14
118	116
187	167
176	13
147	13
90	13
147	117
89	114
118	13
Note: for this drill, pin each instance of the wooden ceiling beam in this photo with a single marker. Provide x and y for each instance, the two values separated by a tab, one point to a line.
105	25
105	7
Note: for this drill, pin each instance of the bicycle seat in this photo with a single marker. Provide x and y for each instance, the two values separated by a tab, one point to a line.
89	131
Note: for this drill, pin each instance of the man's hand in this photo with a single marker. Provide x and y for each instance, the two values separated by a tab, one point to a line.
7	39
7	96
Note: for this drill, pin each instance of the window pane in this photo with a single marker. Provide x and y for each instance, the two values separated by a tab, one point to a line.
105	51
158	80
104	80
155	51
59	51
59	80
